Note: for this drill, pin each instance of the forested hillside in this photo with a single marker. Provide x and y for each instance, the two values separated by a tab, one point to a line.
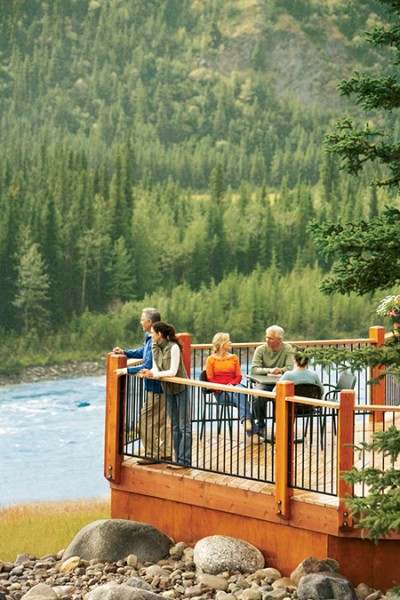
170	152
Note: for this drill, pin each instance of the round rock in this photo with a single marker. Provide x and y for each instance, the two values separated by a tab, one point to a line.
114	539
112	591
217	553
328	585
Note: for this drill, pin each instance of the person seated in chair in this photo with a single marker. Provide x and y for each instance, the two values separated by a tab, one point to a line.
275	357
301	374
223	367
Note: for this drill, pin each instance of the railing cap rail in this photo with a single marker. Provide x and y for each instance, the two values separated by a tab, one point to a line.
342	342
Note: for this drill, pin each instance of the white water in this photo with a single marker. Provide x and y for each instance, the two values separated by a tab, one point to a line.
52	441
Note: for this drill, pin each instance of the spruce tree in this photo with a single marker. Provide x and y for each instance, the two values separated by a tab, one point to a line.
32	289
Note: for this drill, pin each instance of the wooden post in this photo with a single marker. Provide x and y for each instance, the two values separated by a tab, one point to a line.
345	451
112	457
185	340
378	390
282	491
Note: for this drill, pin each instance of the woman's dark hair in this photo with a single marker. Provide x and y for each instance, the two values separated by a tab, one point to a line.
167	331
300	359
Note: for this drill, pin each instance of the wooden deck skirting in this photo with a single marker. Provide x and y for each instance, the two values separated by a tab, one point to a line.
287	525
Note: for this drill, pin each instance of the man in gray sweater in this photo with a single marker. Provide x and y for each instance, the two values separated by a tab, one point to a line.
270	361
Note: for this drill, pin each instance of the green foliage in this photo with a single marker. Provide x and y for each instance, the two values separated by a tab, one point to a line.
378	512
354	146
109	150
367	253
32	289
387	355
366	259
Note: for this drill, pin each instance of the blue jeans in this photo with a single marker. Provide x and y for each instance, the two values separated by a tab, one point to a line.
178	407
242	404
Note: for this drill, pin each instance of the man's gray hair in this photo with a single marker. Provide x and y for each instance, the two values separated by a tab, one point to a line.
151	314
279	333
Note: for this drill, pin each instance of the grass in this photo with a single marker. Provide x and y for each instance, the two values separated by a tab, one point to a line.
46	528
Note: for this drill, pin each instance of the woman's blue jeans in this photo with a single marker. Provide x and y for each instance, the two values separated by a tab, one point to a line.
242	404
178	407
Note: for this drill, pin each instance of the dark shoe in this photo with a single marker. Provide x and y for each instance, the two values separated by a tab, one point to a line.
148	461
166	458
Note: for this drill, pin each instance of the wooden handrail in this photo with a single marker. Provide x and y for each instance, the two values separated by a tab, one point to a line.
344	342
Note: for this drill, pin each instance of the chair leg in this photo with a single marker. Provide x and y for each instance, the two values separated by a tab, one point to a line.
225	414
203	419
322	426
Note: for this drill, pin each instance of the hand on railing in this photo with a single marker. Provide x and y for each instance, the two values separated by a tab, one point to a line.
145	373
122	371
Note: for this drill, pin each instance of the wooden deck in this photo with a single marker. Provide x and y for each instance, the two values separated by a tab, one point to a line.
245	491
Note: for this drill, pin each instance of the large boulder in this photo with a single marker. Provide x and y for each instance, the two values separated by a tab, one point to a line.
325	586
217	553
114	539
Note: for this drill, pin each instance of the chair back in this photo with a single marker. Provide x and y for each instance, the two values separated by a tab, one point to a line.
203	375
308	390
346	381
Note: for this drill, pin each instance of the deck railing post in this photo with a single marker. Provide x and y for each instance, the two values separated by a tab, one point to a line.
345	453
378	389
282	491
112	456
185	340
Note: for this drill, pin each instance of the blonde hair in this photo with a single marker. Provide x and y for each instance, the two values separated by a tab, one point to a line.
219	340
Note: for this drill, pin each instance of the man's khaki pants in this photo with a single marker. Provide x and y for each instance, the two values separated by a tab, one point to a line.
155	427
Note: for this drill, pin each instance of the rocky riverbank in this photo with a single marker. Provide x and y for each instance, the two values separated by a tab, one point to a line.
217	568
173	578
56	371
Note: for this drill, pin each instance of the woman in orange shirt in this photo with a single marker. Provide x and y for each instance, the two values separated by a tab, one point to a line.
223	367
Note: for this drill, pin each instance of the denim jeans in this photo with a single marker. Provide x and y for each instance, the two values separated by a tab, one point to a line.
178	407
242	404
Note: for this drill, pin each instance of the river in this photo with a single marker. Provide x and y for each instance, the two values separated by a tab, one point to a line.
52	441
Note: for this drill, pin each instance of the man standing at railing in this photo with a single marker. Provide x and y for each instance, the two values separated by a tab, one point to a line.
270	361
155	431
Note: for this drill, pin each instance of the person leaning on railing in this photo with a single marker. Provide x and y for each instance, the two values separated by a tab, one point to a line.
223	367
167	362
154	426
275	357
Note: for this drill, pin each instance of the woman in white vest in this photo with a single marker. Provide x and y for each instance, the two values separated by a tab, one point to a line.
167	362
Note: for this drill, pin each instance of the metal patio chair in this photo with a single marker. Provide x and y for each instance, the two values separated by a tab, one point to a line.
210	405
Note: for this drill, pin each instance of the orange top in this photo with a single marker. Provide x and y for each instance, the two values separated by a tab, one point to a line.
224	370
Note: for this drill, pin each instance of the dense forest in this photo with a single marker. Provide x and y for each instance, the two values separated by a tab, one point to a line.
171	153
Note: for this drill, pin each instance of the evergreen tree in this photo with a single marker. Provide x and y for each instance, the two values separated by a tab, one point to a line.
357	146
366	253
123	280
32	299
